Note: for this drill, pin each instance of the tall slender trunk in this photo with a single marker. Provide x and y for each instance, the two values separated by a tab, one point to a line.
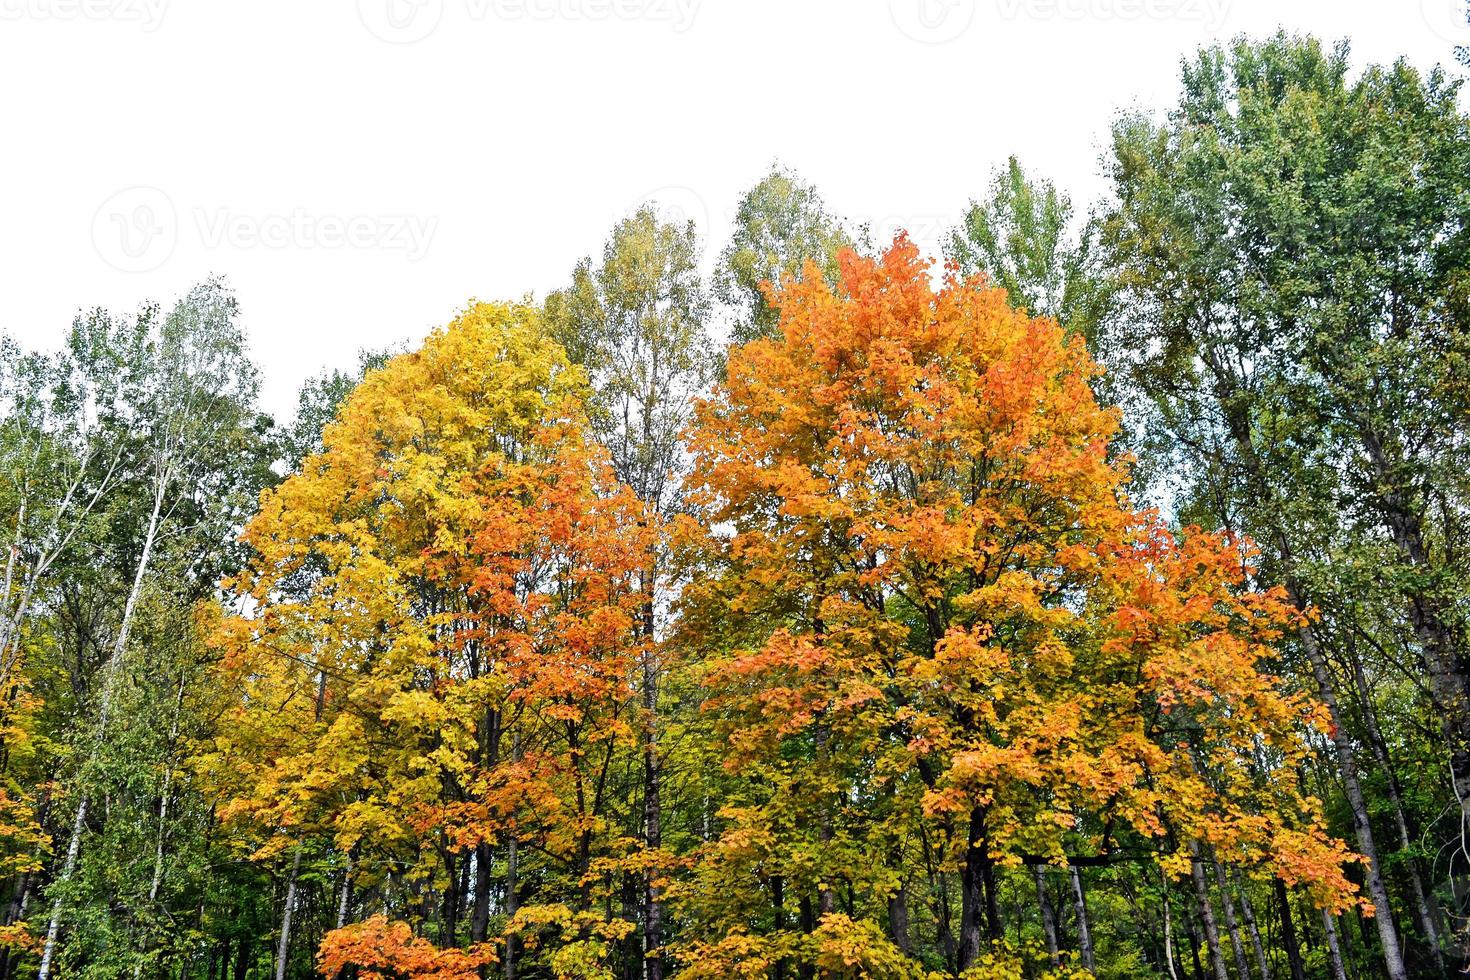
994	931
12	914
1241	430
283	946
480	921
1048	916
242	959
1084	927
1249	914
1232	927
11	959
344	896
1288	932
653	936
826	895
1432	617
1424	910
1207	913
778	918
1393	956
972	887
454	871
806	969
1168	924
511	870
104	714
945	914
898	916
168	779
1334	948
1194	944
491	734
898	902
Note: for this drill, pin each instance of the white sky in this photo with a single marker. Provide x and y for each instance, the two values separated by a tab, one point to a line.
356	191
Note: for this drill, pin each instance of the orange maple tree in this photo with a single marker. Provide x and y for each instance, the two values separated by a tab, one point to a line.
383	950
951	642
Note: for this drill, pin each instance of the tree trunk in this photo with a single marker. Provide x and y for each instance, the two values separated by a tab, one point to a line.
1241	433
104	714
1194	945
778	917
1168	924
168	778
242	959
1288	932
1227	906
972	887
1048	916
1334	949
653	936
1084	927
345	895
284	945
480	922
806	970
1439	643
1207	913
510	906
1249	914
1423	910
898	915
826	896
994	931
1353	789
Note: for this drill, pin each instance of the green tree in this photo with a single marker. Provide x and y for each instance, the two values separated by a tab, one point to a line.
637	323
1022	237
176	393
781	224
1288	243
317	402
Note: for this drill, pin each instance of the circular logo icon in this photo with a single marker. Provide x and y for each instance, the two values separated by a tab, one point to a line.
679	206
400	21
932	21
1450	21
135	230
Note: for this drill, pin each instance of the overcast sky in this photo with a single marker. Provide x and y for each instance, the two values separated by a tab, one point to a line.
359	169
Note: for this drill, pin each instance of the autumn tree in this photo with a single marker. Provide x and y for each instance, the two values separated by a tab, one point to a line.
976	654
636	322
435	654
